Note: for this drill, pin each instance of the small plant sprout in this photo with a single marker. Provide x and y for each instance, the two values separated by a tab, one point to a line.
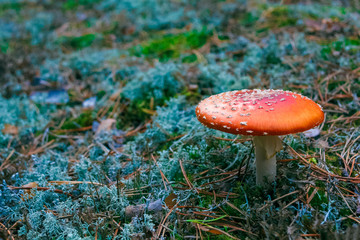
264	114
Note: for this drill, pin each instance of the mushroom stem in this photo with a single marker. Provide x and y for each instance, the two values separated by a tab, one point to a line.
266	148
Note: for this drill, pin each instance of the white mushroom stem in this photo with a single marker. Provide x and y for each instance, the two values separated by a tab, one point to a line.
266	148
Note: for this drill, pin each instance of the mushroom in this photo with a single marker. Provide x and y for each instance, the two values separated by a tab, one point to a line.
264	114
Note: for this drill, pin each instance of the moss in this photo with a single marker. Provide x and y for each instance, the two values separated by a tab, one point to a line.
4	46
85	119
100	94
249	19
172	45
133	116
349	45
74	4
77	42
16	6
223	37
277	17
319	198
308	221
190	58
249	192
331	159
206	201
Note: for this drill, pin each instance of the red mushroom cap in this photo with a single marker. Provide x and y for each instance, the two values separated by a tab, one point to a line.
259	112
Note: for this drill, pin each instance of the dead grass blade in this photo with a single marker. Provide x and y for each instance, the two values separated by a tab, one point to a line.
185	176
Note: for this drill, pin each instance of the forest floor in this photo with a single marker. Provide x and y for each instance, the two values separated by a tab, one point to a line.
98	133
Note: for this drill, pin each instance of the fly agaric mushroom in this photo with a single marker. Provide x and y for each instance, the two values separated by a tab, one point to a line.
264	114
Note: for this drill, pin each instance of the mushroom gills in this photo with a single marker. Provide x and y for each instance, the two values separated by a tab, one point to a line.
266	148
